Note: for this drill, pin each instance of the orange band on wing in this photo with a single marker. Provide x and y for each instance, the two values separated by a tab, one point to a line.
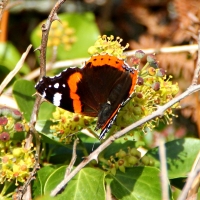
72	83
73	80
101	60
134	77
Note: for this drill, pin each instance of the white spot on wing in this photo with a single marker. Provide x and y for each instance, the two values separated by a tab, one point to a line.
56	85
63	85
44	94
49	85
56	99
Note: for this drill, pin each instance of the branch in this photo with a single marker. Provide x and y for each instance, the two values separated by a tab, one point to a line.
67	63
159	112
174	49
45	32
73	160
192	175
197	70
163	169
70	166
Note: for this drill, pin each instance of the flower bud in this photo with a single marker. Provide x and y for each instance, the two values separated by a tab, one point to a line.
139	54
135	152
19	127
3	121
121	153
161	72
16	114
156	86
145	160
4	136
132	160
140	81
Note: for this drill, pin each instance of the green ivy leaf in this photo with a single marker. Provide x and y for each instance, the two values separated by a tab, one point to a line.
4	71
9	56
180	154
42	176
23	92
137	183
88	184
46	110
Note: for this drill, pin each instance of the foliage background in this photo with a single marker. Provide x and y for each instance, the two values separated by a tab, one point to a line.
143	24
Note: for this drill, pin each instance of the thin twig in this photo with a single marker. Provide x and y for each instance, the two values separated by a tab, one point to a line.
70	166
192	175
45	32
13	4
174	49
67	63
73	160
159	112
15	70
197	70
163	169
108	192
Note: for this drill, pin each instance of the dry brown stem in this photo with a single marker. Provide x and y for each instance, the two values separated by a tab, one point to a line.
42	48
67	63
163	169
73	160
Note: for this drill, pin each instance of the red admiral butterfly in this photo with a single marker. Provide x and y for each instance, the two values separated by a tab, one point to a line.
98	89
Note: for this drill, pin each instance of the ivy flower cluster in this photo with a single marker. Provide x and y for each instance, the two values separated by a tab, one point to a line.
153	89
60	34
16	160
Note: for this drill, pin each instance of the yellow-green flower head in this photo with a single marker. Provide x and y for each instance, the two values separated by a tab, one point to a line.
105	44
16	163
15	160
67	124
12	125
153	89
60	34
121	160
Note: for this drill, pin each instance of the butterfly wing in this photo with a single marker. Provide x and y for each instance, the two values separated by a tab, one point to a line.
99	89
61	90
